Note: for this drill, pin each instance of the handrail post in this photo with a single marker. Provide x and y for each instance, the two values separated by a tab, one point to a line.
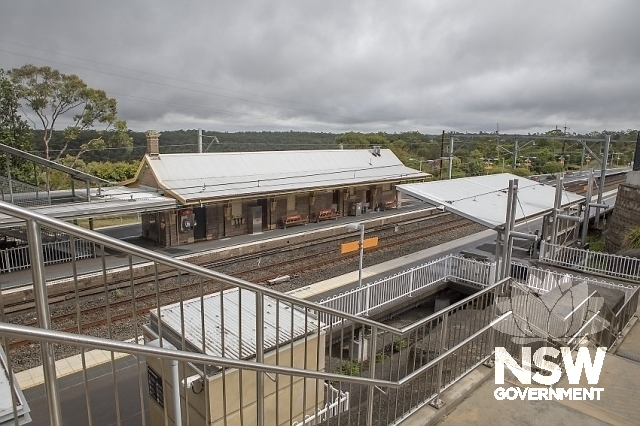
437	402
492	335
372	373
260	357
44	321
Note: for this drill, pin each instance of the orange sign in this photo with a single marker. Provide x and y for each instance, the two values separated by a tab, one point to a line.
355	245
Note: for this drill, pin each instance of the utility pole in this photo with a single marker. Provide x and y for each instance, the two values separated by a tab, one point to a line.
441	154
450	155
199	141
515	153
603	173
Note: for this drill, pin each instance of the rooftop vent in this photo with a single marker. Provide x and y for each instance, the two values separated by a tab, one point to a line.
376	150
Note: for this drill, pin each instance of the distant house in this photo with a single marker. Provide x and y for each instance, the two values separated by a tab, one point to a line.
226	194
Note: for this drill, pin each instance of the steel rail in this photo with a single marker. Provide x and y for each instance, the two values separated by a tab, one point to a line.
179	264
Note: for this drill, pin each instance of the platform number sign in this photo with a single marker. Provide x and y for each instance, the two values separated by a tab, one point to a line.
155	386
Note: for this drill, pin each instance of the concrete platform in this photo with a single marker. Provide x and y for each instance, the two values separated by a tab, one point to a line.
481	408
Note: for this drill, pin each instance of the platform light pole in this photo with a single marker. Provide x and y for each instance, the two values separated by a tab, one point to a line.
355	227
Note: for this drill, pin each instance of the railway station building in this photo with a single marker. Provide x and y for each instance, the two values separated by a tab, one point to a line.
220	195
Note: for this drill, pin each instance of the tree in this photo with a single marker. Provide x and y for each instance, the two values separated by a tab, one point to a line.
14	130
49	94
358	140
552	167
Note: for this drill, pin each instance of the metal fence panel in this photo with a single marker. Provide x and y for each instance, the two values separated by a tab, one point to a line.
589	261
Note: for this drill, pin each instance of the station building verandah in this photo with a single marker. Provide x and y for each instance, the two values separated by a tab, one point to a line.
222	195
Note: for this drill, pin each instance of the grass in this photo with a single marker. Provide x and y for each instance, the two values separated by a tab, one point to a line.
632	239
109	221
596	243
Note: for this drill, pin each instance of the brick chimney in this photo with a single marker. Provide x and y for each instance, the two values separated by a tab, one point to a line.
152	143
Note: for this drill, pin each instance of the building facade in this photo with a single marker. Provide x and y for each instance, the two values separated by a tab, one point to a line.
221	195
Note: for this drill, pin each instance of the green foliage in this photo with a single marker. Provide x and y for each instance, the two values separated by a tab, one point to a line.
596	243
349	368
552	167
521	171
632	238
380	356
473	167
357	140
399	344
117	294
49	95
111	171
14	131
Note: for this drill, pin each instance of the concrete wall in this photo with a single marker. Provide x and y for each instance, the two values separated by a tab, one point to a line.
626	215
285	387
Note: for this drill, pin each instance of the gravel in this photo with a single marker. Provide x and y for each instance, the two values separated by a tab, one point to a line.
29	356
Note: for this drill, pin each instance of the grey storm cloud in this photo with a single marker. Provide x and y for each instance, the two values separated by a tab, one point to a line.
337	66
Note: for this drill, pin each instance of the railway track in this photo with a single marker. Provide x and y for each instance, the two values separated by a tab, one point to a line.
125	308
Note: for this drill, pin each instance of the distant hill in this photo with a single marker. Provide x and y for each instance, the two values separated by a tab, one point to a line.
187	141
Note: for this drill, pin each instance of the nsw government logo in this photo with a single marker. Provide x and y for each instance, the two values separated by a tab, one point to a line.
542	332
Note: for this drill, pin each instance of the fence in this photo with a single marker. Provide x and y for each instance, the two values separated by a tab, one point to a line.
262	358
589	261
268	350
597	321
15	258
372	297
23	194
544	280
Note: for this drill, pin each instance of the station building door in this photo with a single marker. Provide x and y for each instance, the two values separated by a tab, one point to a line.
200	230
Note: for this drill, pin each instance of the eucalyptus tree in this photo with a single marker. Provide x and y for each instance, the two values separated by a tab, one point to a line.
14	130
50	95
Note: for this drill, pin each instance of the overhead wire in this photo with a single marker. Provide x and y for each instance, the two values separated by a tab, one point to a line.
187	89
168	77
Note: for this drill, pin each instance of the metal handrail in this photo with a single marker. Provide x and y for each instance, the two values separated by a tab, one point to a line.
91	342
431	317
450	351
134	250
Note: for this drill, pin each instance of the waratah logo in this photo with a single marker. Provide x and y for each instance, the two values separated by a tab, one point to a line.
564	315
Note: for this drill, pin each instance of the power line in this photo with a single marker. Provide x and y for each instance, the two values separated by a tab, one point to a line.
169	78
185	88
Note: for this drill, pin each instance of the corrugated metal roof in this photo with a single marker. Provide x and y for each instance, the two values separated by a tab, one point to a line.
483	199
113	201
239	315
193	177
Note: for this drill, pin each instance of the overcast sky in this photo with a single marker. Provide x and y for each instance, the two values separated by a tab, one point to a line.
341	65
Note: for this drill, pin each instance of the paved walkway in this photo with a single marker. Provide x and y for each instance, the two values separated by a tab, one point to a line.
618	404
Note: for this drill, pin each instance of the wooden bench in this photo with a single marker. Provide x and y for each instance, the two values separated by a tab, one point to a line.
325	215
389	204
293	219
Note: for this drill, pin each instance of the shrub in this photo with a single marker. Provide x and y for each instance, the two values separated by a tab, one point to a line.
350	368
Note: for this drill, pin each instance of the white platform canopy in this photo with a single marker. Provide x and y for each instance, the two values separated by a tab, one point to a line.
115	201
483	199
